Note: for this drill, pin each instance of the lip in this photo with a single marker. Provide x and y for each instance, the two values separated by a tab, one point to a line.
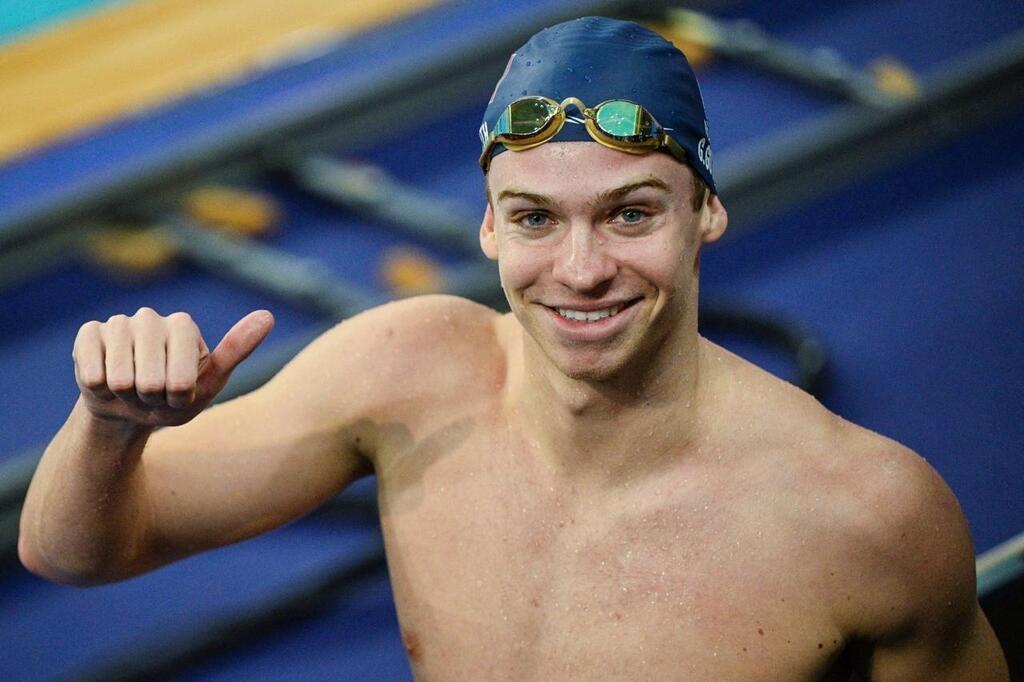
591	307
601	330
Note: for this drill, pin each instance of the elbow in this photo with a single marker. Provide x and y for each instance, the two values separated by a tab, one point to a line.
80	555
35	563
28	558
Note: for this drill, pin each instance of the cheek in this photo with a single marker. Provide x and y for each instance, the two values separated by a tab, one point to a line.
658	263
518	267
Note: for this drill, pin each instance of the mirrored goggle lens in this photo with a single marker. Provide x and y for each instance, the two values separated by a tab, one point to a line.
625	121
525	117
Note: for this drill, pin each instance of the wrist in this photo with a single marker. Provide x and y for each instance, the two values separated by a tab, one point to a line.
108	426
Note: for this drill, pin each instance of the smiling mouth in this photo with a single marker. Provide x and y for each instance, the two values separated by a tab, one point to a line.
593	315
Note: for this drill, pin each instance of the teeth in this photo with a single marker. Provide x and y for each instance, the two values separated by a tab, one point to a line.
591	316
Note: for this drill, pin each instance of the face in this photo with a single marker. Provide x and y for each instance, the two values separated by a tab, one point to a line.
598	251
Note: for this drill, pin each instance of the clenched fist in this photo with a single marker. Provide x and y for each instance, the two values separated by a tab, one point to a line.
157	371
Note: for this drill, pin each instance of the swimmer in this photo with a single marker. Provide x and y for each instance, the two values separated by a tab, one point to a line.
584	488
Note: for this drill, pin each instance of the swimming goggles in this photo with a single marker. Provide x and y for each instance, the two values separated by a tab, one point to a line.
616	123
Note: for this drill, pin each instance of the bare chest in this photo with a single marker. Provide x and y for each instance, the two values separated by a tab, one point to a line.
500	572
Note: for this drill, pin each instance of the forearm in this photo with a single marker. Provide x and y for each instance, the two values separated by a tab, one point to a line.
84	517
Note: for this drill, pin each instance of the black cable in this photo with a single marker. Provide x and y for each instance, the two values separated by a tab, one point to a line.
806	350
9	520
1004	608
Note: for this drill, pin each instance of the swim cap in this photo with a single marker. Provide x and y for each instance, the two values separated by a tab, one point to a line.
596	59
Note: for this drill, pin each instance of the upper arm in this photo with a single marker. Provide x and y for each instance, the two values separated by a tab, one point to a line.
956	645
925	621
261	460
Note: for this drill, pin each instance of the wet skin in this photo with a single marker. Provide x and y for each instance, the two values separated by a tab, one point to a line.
561	498
625	499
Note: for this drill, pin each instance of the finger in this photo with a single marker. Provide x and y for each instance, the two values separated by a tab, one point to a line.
240	341
150	338
184	344
118	361
90	372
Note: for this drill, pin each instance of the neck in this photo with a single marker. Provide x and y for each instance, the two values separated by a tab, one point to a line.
617	428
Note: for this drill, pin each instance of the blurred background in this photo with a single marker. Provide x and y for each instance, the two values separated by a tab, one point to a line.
316	158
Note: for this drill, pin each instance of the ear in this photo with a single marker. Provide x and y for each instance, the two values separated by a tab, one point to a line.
488	240
714	219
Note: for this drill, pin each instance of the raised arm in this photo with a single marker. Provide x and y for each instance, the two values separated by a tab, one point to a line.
116	495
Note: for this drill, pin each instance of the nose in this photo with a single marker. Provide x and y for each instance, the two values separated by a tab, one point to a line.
583	262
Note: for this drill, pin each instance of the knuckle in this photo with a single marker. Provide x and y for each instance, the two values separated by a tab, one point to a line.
120	383
118	319
88	337
91	380
90	326
149	385
180	318
145	311
180	386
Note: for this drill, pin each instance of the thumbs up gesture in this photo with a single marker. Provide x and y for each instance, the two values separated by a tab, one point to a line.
158	371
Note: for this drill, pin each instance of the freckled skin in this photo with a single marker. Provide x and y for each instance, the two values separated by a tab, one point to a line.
562	500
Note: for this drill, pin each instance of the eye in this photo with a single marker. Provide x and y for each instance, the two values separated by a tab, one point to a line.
632	215
534	220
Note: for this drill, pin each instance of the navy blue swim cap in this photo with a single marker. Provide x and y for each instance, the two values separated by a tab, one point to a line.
596	59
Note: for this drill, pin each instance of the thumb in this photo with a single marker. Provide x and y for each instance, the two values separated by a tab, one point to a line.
240	341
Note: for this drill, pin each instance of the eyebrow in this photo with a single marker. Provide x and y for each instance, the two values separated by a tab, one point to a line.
604	197
625	190
528	196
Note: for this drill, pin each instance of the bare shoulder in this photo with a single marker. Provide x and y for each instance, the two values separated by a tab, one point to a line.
892	559
901	513
426	347
417	325
881	511
884	482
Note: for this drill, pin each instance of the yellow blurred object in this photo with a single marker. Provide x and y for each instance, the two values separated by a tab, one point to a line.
406	272
128	57
688	37
130	252
245	213
895	78
696	34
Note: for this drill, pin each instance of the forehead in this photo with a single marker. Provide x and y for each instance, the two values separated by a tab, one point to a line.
578	169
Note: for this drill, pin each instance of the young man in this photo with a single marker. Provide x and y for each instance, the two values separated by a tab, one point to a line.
582	489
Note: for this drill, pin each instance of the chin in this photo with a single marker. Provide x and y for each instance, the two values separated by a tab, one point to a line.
598	369
590	375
